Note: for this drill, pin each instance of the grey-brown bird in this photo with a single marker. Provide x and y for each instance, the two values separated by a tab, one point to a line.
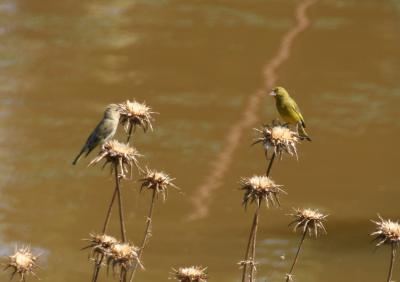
104	131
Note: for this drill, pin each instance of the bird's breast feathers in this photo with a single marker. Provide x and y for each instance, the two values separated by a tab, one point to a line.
287	112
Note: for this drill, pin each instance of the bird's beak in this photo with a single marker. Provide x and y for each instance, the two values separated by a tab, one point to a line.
272	93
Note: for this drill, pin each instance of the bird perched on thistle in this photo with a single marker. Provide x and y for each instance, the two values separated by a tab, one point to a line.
289	110
104	131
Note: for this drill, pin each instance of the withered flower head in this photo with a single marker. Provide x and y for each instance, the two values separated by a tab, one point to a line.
387	232
135	114
191	274
122	256
278	137
309	220
259	188
23	262
158	181
120	155
100	243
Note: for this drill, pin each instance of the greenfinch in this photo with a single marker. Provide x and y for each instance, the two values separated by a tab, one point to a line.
104	131
289	110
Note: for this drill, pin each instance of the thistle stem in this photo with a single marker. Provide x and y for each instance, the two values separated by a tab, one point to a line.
270	164
120	208
121	217
253	251
297	255
147	234
106	222
122	276
393	257
250	243
129	132
96	269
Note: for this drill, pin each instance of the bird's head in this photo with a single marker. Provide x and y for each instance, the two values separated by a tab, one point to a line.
279	92
112	111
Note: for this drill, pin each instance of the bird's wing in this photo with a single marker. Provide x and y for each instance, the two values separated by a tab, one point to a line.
296	109
102	131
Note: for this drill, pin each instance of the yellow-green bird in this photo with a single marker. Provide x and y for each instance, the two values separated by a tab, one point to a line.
289	110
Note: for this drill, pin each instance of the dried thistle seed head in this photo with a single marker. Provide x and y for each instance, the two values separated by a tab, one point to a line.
279	138
387	232
259	188
191	274
309	220
100	243
158	181
135	114
23	262
122	256
118	154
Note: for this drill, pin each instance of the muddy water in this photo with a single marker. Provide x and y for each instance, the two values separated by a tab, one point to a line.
198	63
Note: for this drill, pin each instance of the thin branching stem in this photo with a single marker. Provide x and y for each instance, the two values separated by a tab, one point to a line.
270	163
96	269
246	256
250	244
106	222
147	233
122	277
392	258
253	248
289	275
120	207
108	216
129	132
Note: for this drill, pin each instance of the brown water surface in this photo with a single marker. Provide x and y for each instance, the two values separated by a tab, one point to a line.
198	63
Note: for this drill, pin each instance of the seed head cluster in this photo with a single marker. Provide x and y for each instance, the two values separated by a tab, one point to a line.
387	232
259	188
279	138
22	262
158	181
120	256
100	244
135	114
191	274
309	220
118	154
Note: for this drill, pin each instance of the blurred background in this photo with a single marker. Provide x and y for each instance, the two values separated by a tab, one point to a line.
197	63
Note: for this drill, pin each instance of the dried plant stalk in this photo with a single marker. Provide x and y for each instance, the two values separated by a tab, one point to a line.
388	233
256	190
121	157
251	248
158	183
310	221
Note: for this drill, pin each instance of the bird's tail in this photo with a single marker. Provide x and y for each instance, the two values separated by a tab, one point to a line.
79	156
302	132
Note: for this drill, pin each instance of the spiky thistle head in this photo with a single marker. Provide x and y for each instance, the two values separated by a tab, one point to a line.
309	220
122	256
118	155
135	114
191	274
158	181
23	263
387	232
100	243
259	188
278	137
